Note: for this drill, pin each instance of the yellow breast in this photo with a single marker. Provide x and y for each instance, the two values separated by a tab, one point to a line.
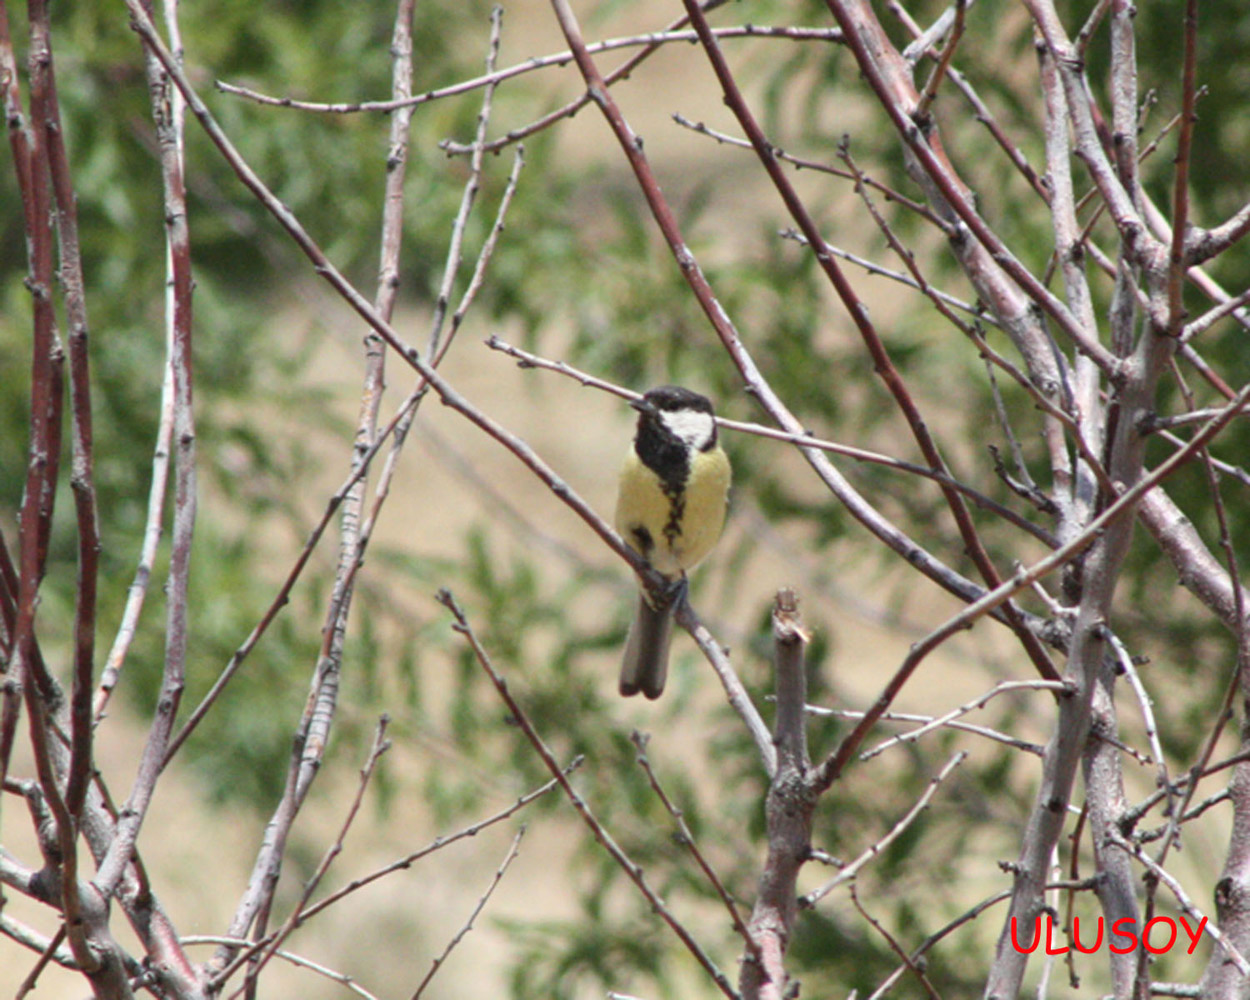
645	511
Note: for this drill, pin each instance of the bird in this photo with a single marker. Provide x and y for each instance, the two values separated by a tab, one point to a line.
670	509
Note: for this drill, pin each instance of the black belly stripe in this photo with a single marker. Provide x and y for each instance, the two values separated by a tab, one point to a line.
669	458
676	511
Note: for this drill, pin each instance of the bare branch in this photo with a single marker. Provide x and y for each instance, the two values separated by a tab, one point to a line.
153	527
468	197
849	871
963	727
407	861
380	745
804	163
788	812
687	840
573	107
459	936
1126	502
631	869
895	947
167	115
297	960
929	94
651	39
980	702
1177	257
1183	899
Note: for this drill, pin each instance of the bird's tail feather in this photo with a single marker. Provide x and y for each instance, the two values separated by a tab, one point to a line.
645	667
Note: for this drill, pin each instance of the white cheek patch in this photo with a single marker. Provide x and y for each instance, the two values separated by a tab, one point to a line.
694	427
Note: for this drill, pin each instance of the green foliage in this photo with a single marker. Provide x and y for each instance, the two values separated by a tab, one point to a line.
329	169
592	952
632	319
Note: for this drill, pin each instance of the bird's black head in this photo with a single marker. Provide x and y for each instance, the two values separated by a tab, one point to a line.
673	424
670	398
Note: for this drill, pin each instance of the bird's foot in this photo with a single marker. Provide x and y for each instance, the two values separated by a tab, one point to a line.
678	591
667	595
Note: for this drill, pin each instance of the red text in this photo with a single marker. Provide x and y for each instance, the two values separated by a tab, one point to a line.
1158	936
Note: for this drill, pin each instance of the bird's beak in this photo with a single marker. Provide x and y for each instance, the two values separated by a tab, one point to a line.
642	405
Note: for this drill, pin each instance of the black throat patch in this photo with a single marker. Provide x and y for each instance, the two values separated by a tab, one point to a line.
663	453
667	456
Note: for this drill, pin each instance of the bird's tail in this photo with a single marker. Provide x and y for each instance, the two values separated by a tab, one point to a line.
645	667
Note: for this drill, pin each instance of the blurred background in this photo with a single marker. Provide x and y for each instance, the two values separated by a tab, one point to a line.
580	275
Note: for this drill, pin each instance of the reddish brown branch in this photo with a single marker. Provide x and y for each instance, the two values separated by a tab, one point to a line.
887	74
82	475
1177	262
883	364
85	927
756	384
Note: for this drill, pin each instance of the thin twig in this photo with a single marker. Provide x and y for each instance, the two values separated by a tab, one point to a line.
872	267
152	531
894	946
601	834
274	943
408	860
1177	262
1182	898
735	691
1192	813
342	978
852	868
570	109
46	956
455	254
929	94
1201	768
1123	505
168	119
817	166
1091	24
1014	742
979	702
459	936
1147	709
651	40
488	247
253	948
687	840
969	915
1211	316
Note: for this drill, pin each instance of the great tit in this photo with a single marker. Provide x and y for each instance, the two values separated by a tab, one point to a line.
670	510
